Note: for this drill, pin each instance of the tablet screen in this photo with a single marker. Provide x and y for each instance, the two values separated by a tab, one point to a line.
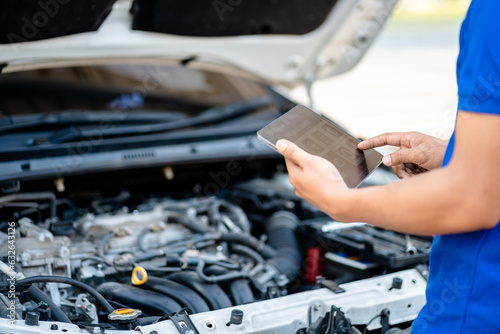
317	135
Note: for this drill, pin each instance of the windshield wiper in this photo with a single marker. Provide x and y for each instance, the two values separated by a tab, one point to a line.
69	117
212	115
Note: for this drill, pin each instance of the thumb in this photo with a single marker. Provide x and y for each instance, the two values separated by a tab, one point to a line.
292	152
401	156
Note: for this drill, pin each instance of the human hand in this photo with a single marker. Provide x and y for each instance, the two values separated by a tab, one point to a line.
315	179
417	152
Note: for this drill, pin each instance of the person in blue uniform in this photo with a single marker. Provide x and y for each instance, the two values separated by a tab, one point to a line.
453	193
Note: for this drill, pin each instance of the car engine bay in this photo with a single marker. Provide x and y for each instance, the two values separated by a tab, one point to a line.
136	259
162	212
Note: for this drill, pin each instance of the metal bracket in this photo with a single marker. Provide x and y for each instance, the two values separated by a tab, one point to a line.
334	322
183	323
332	286
423	270
92	328
84	306
337	322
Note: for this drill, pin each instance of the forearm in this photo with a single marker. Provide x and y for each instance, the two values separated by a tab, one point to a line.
437	202
462	197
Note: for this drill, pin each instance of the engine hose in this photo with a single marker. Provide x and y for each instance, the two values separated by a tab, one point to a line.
281	232
178	292
250	241
37	296
145	321
213	294
248	252
189	221
140	239
102	244
240	218
66	280
96	204
230	275
150	302
214	270
192	224
241	291
223	264
149	256
240	215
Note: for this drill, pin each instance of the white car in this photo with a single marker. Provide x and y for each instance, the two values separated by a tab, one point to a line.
135	196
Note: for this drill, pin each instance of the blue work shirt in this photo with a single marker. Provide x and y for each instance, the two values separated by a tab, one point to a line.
463	291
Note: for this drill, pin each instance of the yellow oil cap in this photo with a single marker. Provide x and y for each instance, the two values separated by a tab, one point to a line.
139	276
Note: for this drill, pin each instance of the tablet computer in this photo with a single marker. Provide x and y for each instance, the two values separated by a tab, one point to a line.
318	135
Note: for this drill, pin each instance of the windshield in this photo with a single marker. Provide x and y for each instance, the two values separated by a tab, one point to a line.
78	120
119	87
60	105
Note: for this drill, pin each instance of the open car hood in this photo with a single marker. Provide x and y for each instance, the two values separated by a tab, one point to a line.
281	41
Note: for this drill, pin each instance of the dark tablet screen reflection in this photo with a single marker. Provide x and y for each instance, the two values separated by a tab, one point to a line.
319	136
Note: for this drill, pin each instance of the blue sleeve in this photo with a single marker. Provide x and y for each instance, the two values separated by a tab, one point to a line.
478	65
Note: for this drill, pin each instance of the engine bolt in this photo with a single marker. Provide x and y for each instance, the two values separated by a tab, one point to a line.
236	317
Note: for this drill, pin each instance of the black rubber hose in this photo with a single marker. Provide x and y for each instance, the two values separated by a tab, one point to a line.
178	292
150	302
250	241
227	276
37	296
241	291
240	215
60	279
248	252
189	221
236	214
145	321
281	233
96	204
215	270
213	294
240	288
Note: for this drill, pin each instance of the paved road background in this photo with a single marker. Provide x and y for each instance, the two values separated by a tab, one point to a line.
405	82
